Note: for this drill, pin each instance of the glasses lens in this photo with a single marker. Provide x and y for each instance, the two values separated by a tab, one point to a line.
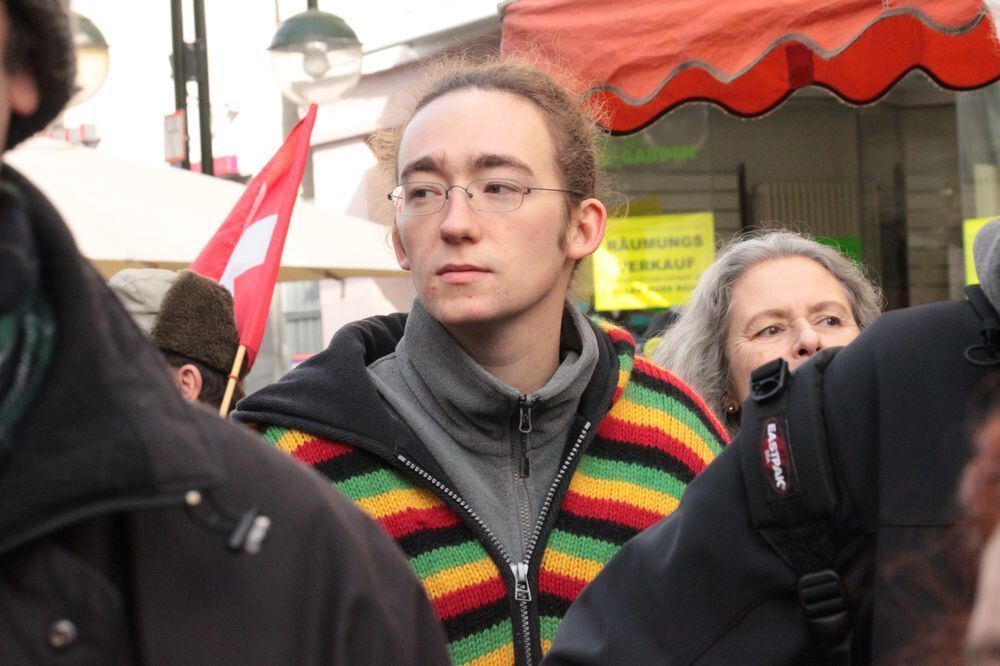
420	198
496	195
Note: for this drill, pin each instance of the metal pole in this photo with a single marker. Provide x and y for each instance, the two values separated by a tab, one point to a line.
180	70
201	74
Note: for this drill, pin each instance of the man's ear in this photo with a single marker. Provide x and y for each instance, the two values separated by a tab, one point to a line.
22	92
188	380
587	229
397	245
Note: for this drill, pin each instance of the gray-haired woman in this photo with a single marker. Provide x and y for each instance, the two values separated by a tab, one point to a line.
768	295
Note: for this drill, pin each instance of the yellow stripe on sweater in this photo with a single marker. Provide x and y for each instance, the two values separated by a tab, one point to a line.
396	501
502	656
291	440
633	412
456	578
572	566
622	491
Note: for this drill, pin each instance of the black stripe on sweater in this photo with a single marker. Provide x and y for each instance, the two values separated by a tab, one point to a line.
476	620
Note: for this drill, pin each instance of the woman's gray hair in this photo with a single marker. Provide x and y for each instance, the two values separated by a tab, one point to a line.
694	348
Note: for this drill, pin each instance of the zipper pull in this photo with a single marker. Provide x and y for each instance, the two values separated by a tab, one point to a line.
524	427
521	590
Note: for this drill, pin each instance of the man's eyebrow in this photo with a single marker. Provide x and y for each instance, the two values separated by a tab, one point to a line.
493	160
425	163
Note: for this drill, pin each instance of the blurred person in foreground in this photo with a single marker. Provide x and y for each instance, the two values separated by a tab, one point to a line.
136	528
884	424
508	443
980	493
773	294
190	319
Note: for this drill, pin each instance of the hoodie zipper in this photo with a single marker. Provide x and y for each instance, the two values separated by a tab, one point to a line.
524	403
520	571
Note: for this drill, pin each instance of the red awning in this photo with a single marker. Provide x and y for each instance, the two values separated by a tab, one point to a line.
643	58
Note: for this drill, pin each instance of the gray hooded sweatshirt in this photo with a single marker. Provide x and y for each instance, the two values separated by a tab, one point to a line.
500	449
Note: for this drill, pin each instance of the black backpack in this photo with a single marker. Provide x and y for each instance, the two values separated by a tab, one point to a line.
788	475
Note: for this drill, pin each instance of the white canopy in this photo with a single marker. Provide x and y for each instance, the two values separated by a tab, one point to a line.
127	214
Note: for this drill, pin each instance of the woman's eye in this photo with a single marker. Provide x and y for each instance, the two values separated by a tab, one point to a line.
768	332
831	321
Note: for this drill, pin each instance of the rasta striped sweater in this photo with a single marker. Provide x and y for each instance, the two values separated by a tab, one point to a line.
625	471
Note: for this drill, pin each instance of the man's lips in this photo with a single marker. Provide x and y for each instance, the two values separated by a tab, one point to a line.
461	273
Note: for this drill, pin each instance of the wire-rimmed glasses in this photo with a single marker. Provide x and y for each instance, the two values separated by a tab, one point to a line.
486	195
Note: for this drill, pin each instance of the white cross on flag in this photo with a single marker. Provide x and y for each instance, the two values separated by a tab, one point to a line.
244	255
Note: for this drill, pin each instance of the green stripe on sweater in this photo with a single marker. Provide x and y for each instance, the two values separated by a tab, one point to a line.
549	626
582	546
437	560
646	477
475	646
373	484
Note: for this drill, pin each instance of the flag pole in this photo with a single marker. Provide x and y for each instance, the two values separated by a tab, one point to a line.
234	376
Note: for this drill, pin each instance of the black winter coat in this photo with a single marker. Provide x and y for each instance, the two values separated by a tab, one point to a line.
135	528
703	587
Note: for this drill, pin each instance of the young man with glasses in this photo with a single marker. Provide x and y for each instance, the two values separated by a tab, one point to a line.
509	444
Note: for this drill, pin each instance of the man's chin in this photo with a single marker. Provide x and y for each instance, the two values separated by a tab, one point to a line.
461	313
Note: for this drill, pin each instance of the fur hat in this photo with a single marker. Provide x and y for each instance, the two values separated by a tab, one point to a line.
141	291
196	320
40	39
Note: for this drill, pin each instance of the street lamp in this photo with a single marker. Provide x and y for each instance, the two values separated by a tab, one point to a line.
315	57
91	58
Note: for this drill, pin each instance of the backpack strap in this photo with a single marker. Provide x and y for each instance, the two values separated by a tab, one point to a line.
987	353
793	501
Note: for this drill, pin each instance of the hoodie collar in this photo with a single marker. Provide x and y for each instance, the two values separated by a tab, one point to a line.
457	392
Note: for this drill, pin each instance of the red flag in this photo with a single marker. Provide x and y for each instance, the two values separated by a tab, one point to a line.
245	253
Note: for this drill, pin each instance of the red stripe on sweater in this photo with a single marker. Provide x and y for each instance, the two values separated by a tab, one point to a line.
469	598
610	510
558	585
619	335
408	521
641	435
315	451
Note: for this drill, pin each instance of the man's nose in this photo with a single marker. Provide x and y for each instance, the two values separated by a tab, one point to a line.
460	221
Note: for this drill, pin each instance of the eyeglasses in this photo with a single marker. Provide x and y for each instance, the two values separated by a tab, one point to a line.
487	195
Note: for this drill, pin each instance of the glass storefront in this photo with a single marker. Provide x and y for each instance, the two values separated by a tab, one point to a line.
890	184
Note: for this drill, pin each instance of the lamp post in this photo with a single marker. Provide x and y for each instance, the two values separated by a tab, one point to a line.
315	57
190	63
92	59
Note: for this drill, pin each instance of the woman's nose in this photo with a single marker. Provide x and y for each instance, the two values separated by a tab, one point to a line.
808	342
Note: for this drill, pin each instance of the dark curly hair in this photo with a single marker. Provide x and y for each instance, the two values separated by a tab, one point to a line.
40	40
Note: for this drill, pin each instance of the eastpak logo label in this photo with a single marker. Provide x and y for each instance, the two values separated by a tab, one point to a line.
777	459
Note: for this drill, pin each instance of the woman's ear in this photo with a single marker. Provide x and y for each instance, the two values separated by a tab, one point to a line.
587	229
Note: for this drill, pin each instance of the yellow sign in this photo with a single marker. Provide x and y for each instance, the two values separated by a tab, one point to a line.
969	230
652	261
